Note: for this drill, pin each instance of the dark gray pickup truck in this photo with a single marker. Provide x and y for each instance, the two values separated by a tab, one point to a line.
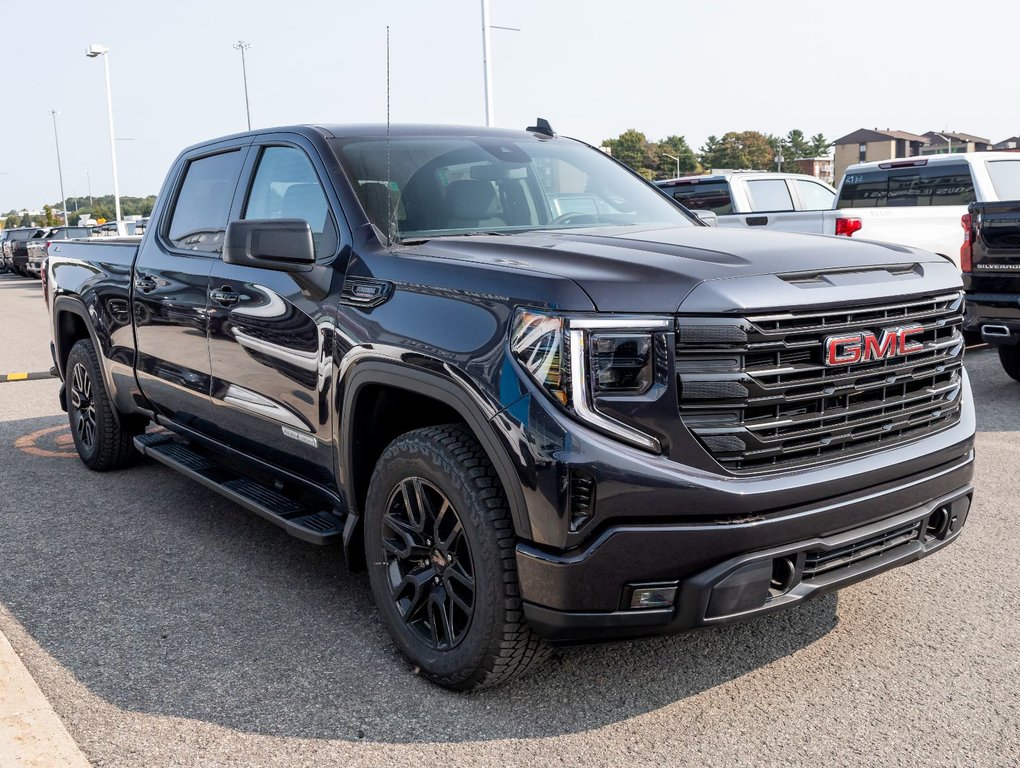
534	396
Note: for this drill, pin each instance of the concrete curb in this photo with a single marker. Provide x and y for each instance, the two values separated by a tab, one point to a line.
31	733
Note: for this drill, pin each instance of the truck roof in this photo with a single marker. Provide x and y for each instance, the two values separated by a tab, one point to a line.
924	160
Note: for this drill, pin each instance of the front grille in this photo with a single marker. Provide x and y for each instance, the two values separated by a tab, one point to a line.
758	395
820	561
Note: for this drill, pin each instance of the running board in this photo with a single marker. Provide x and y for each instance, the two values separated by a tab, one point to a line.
316	525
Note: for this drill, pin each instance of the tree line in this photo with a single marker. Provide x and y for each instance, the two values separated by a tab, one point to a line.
94	208
744	149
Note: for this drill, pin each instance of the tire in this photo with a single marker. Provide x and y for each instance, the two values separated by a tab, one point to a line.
1010	359
458	563
102	442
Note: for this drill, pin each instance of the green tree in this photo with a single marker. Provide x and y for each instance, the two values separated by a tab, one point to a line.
745	150
11	221
632	148
678	147
819	146
26	220
50	219
795	146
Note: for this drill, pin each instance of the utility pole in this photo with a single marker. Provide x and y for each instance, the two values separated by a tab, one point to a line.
675	158
60	170
242	46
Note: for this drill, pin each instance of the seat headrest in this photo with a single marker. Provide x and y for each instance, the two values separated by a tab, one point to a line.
304	201
469	199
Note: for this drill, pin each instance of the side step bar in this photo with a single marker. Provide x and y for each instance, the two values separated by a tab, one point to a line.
318	526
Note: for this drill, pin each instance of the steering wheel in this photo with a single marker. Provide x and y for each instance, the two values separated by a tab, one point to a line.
573	217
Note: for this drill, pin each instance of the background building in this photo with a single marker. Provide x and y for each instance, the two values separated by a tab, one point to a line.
865	145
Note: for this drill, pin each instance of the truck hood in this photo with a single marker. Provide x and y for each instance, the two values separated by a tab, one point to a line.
638	269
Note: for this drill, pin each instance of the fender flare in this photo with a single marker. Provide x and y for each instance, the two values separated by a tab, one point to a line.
448	392
75	306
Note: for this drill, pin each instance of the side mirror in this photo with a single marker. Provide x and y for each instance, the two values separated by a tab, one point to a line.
707	217
281	244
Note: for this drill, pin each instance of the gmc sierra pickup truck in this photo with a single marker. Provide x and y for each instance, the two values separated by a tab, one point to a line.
990	258
530	427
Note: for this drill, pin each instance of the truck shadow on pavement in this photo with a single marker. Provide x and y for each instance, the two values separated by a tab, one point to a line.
164	599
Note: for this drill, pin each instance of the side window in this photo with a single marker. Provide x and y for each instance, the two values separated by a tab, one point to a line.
704	196
813	197
199	218
286	187
769	195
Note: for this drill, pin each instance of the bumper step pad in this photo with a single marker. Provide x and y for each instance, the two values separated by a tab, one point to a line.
316	524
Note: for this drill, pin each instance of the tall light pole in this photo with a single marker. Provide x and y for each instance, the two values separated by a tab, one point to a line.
677	159
92	52
60	170
490	117
242	46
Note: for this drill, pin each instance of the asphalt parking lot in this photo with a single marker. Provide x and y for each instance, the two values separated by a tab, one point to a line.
169	627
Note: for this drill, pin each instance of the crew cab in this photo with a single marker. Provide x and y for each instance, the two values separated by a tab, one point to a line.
15	248
530	425
788	202
919	201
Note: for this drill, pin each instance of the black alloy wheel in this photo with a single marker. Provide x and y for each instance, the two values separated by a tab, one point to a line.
428	562
103	438
83	417
442	559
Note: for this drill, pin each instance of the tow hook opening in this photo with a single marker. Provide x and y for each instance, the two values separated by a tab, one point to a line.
784	576
938	523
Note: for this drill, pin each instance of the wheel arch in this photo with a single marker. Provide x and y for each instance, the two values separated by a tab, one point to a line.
451	397
72	323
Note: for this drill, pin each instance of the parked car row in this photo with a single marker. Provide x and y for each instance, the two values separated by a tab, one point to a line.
915	202
25	249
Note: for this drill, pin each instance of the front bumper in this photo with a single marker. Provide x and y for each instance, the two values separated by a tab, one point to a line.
725	572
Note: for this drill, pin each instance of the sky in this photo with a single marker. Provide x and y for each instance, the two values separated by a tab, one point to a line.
593	68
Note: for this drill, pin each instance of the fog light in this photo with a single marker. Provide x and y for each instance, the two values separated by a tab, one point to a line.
661	596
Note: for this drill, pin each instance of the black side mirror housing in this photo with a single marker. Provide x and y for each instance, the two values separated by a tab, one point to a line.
282	244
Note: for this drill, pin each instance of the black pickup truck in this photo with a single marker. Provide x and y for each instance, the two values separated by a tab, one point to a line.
990	260
534	396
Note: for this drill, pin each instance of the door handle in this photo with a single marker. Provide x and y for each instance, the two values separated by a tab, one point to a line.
224	296
757	221
145	283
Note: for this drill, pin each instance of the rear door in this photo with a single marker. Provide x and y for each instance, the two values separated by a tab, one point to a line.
271	332
170	285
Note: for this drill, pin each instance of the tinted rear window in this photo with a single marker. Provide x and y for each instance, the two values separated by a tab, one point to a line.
940	184
203	204
703	195
1005	178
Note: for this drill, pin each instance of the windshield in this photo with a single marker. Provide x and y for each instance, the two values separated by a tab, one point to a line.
441	186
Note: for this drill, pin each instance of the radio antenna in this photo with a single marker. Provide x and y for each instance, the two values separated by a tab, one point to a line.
389	182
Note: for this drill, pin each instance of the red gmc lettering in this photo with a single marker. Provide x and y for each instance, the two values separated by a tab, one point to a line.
851	350
866	346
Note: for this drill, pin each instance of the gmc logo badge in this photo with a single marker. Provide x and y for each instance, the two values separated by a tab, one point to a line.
865	346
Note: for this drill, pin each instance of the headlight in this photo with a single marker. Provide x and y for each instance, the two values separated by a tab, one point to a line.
574	358
622	363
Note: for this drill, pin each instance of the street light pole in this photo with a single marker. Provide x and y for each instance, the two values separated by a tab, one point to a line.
242	46
92	52
60	170
677	159
949	142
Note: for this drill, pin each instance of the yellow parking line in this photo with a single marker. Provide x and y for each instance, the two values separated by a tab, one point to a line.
17	376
